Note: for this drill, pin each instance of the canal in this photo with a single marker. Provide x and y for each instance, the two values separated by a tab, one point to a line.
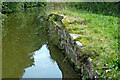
28	52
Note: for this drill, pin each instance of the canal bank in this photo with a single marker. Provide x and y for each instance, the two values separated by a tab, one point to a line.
81	62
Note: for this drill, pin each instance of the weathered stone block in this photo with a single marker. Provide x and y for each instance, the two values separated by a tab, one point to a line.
72	49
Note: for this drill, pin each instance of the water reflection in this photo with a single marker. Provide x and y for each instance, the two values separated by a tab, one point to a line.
21	37
43	66
27	50
65	67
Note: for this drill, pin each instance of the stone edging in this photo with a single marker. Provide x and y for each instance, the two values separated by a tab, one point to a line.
72	48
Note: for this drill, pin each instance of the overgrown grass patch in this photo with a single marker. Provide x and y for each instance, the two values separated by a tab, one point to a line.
99	35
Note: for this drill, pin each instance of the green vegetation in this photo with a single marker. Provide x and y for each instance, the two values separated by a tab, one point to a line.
9	7
97	27
19	6
105	8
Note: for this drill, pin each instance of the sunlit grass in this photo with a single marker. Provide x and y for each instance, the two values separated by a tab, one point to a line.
99	35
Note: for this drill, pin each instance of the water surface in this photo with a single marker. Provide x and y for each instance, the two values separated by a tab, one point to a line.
44	66
27	49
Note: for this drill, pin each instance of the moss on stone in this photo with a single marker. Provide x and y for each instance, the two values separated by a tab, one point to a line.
101	32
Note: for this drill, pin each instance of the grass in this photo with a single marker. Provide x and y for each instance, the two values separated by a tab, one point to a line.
99	35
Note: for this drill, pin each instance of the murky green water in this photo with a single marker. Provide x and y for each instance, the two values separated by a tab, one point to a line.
27	49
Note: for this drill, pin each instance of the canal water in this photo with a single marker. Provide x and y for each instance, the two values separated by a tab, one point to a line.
27	51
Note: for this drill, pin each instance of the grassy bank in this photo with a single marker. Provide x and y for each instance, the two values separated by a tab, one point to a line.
99	34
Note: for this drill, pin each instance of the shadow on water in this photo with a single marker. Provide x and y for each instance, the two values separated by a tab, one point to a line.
27	51
65	67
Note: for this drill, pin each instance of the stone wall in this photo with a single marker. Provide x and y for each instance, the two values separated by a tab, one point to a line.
72	49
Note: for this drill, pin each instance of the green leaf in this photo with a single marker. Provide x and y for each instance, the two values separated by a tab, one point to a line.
94	68
94	64
98	73
103	74
100	70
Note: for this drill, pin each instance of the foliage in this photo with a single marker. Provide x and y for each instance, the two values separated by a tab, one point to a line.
12	6
106	8
33	4
3	17
18	6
